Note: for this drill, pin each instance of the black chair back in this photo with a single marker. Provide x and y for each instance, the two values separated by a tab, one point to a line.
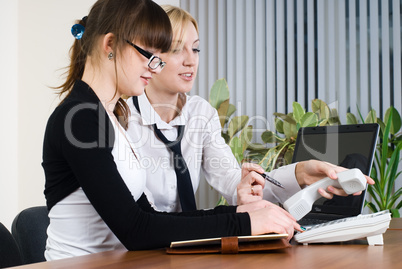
29	230
9	252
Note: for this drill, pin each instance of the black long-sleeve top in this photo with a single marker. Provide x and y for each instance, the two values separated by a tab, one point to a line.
90	165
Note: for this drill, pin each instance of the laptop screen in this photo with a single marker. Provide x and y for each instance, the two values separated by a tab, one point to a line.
350	146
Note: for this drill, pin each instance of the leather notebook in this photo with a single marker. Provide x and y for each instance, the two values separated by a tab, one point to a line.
230	245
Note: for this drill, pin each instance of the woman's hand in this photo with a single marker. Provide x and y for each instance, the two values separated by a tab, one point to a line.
251	185
308	172
253	206
273	219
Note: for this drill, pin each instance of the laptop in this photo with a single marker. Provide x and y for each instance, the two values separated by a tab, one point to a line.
350	146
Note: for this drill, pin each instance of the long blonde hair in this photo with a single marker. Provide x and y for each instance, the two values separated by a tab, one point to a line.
179	18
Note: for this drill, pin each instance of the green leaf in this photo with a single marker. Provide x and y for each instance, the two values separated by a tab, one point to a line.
382	127
226	137
279	115
334	117
396	120
290	130
222	201
392	171
351	119
270	158
372	207
257	147
394	198
395	213
370	190
360	114
223	111
253	158
269	137
279	125
323	122
399	206
280	149
236	147
231	110
371	117
309	119
298	111
320	108
384	150
219	93
288	155
236	124
245	137
287	118
266	162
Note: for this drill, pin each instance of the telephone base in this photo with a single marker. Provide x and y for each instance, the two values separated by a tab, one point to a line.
375	240
370	226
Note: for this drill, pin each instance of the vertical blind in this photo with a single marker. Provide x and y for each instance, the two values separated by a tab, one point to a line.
275	52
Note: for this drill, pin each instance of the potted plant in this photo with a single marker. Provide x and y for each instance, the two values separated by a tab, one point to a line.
235	131
386	163
238	134
287	126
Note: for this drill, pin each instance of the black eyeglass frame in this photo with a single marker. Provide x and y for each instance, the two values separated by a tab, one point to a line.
149	56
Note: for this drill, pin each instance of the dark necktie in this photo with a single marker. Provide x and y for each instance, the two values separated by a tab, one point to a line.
184	185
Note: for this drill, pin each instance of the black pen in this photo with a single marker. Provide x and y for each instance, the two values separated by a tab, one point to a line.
273	181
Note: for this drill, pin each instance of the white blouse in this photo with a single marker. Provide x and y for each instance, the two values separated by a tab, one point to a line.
203	148
75	227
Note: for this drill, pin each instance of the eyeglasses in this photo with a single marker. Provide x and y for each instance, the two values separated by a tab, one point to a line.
154	61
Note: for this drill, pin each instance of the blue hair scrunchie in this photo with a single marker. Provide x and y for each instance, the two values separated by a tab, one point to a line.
77	31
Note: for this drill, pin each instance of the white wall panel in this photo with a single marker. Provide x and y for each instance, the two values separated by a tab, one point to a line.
260	64
374	57
330	51
240	54
248	40
300	54
290	53
342	96
396	51
321	48
352	60
280	56
385	54
311	65
364	60
271	64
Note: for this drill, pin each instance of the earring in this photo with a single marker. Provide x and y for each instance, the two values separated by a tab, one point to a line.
110	56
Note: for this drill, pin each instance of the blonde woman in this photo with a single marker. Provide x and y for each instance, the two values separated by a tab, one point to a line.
190	121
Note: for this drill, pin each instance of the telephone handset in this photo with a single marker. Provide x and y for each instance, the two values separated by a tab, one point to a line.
371	226
301	203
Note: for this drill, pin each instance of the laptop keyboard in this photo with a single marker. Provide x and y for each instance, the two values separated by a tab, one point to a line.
313	218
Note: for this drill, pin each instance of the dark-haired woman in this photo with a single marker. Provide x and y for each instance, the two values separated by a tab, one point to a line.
94	184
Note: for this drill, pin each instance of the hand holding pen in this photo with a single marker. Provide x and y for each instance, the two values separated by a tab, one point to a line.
271	180
253	180
251	184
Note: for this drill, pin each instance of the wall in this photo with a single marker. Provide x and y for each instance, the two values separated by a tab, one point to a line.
9	111
36	38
